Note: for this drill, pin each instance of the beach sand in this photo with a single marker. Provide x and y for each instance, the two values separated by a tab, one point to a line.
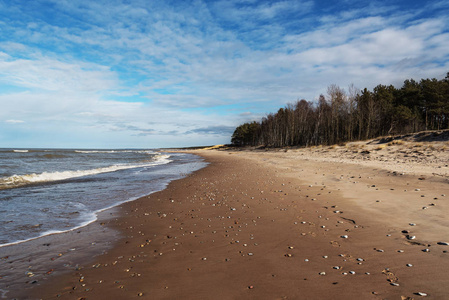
315	223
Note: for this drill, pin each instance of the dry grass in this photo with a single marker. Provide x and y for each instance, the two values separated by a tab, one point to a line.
398	142
380	147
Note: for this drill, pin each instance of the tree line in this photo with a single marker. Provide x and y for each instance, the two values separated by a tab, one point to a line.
348	115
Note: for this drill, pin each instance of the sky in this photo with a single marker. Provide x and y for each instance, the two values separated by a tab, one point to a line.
151	74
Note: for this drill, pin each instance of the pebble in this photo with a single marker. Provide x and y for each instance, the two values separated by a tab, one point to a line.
412	224
426	250
344	236
409	265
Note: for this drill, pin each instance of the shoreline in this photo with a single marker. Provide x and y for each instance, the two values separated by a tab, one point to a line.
265	226
26	263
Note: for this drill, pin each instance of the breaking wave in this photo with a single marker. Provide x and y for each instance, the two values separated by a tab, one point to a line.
21	180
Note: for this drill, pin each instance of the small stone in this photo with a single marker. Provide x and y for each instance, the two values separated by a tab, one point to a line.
344	236
351	272
412	224
204	258
426	250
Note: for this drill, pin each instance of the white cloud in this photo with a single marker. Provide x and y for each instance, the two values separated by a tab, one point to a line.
14	121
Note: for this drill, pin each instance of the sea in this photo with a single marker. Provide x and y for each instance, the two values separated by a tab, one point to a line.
50	191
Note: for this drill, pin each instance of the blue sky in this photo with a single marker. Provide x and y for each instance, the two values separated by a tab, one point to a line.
145	74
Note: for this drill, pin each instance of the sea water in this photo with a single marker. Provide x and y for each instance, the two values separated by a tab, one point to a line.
47	191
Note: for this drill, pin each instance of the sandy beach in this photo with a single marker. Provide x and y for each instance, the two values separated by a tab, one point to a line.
364	220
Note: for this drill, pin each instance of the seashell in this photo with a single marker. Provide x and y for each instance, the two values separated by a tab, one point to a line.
380	250
410	237
351	272
394	284
421	294
322	273
443	243
360	259
337	267
344	236
412	224
401	251
409	265
426	250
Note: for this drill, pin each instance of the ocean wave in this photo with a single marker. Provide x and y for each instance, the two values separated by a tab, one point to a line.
21	180
114	151
20	151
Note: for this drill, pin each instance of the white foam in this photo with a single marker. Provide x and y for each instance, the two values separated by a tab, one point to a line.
20	151
20	180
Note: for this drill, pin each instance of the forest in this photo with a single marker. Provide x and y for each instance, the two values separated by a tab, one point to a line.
349	115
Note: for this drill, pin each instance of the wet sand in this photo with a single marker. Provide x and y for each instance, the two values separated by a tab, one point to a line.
274	225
